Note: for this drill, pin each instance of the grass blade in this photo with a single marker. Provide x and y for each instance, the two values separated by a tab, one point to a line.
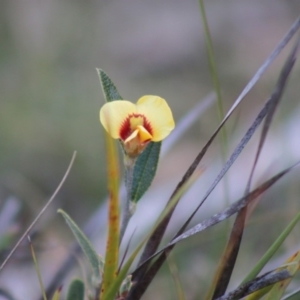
214	74
285	40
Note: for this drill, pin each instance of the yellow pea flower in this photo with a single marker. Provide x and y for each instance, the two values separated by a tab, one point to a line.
150	119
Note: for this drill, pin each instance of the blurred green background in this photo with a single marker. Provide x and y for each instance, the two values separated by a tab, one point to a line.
51	95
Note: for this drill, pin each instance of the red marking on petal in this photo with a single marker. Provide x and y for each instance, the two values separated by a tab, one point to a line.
148	126
126	130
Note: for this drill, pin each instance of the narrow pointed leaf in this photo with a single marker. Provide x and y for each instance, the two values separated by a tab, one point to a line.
84	243
144	170
76	290
109	89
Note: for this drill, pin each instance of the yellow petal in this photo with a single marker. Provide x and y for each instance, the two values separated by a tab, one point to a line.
144	134
158	113
114	114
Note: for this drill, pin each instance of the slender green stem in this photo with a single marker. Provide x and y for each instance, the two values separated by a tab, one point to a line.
213	68
220	109
217	87
128	207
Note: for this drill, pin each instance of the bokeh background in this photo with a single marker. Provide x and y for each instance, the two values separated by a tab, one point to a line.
51	96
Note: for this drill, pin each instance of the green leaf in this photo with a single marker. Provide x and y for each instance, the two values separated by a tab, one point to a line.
76	290
85	245
109	89
144	170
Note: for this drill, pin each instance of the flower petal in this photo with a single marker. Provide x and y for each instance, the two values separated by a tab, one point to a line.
144	135
113	115
158	113
132	136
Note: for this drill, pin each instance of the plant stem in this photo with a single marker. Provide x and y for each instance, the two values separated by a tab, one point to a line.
128	207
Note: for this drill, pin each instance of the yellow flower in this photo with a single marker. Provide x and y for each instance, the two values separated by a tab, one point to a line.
150	119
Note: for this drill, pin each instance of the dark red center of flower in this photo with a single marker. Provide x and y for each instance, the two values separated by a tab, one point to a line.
127	129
